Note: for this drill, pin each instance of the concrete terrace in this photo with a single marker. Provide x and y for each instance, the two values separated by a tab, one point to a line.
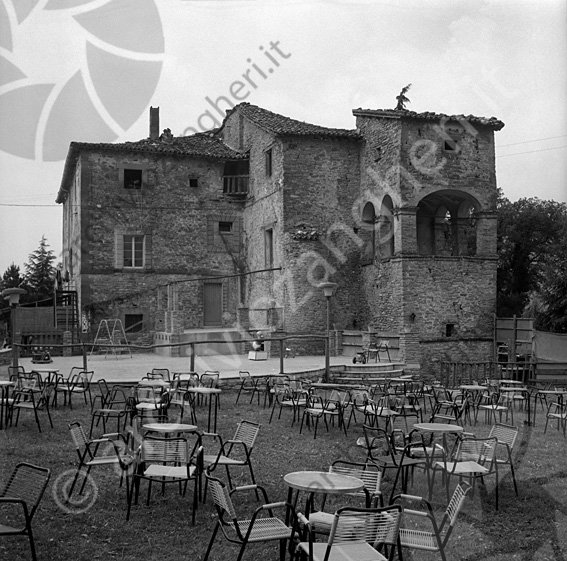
123	368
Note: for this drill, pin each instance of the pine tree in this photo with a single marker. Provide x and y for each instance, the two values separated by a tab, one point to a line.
40	272
12	278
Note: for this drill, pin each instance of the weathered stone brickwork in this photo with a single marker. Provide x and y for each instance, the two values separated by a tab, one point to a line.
400	213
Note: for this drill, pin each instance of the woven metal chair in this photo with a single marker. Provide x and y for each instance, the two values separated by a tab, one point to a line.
235	452
263	526
79	382
506	435
25	488
248	385
167	460
110	450
436	536
474	458
557	411
371	494
32	399
356	533
111	403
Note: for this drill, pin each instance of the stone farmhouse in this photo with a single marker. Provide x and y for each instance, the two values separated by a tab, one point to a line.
231	231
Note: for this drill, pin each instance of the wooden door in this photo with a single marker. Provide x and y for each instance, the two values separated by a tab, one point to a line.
212	304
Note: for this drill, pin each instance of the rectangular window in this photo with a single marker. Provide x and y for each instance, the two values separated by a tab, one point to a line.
133	251
269	247
133	323
132	178
225	227
193	182
268	156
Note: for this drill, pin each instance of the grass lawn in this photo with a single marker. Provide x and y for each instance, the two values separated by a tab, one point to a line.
531	526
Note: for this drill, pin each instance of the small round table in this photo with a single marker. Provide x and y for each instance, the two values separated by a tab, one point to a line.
320	482
169	428
213	394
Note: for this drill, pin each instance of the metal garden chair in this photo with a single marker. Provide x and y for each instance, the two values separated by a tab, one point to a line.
25	488
356	533
235	452
110	450
167	460
263	526
437	535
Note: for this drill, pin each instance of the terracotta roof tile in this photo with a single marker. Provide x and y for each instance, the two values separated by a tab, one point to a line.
284	126
491	122
205	145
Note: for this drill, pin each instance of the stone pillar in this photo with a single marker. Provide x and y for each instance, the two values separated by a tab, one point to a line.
486	234
405	231
67	340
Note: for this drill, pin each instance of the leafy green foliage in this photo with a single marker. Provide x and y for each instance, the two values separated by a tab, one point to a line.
532	243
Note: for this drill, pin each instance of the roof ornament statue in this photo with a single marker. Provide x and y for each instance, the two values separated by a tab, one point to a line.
166	136
402	99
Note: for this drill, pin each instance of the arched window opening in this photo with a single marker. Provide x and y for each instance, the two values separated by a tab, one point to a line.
467	223
367	233
446	224
386	228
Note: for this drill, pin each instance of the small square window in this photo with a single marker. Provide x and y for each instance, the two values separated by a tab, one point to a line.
450	329
133	323
132	178
450	145
193	182
268	161
225	227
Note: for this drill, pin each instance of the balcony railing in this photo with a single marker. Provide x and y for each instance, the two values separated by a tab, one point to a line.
235	184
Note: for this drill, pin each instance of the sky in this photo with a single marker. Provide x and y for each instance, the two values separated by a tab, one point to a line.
88	71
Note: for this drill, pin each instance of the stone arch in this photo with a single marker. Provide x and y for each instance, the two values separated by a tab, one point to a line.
446	224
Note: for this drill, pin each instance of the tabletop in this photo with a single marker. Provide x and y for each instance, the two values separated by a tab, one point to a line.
323	482
6	383
170	427
473	387
438	427
512	382
157	383
204	390
382	411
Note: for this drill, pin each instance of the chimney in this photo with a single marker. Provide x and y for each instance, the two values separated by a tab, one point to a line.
154	123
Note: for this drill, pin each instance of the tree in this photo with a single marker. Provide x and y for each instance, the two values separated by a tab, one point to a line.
12	278
40	272
532	257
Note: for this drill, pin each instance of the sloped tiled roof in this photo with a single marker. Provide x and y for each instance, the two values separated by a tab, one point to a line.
201	145
284	126
491	122
205	145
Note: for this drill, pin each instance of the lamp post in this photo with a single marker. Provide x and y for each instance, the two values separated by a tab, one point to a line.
13	297
328	290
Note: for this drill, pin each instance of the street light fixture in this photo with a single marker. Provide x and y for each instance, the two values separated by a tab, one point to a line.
328	290
13	297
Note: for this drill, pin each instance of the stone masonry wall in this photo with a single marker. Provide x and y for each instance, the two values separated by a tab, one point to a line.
178	221
321	188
